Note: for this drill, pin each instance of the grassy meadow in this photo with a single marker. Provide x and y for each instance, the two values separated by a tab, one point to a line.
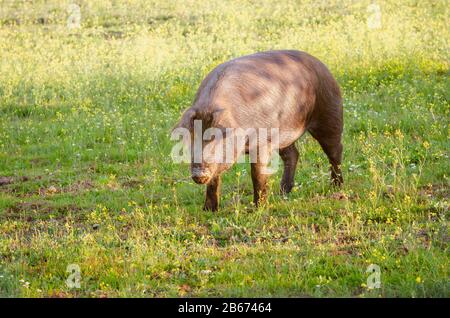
86	176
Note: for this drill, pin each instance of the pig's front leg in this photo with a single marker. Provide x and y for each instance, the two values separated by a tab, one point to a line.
212	194
259	178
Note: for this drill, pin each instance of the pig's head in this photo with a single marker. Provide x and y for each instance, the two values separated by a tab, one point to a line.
207	141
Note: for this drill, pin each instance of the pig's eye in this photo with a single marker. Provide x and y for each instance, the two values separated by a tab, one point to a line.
210	138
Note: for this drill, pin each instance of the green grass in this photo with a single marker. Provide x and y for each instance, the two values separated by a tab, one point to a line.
84	141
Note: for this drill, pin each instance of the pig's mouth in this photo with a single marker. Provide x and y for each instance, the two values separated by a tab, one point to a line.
201	176
201	179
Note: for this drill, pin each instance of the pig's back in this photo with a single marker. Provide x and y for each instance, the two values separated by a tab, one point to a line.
268	89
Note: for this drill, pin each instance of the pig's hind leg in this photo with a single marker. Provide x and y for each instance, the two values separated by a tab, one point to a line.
329	138
289	155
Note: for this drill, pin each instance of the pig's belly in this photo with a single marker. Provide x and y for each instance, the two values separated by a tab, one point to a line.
285	139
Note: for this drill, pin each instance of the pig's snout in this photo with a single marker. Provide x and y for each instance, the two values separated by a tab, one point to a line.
201	176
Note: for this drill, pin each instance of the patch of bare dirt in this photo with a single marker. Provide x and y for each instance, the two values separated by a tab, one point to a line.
338	196
60	294
31	210
439	191
345	250
112	35
78	186
6	181
341	196
132	183
48	191
9	184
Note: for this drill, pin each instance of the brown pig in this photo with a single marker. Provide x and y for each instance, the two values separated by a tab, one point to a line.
289	90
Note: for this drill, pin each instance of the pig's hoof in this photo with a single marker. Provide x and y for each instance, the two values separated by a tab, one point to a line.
210	207
286	188
337	182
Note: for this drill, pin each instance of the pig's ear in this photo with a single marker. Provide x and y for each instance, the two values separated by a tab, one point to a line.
186	121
